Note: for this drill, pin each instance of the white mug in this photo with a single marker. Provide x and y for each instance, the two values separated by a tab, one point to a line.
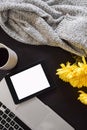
8	58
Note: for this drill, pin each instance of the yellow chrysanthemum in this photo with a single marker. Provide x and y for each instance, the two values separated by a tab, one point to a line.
75	74
83	97
65	73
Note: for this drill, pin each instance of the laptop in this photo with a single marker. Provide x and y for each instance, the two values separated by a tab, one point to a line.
31	114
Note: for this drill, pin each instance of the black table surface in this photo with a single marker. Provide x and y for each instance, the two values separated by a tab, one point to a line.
62	99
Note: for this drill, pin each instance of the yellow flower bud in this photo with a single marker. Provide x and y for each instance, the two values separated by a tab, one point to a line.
83	97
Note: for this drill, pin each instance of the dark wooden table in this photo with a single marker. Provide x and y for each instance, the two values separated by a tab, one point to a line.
63	99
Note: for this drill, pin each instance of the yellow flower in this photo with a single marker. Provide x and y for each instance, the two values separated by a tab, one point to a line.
83	97
75	74
65	73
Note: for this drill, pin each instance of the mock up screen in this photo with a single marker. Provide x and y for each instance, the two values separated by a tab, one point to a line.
30	81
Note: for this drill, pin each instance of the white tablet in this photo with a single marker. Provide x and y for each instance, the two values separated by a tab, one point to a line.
29	82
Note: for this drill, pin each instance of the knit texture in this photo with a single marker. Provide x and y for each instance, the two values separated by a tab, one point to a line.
60	23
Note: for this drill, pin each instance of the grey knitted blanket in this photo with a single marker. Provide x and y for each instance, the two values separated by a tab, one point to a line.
61	23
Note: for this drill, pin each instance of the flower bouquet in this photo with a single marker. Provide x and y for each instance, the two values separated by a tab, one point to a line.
76	75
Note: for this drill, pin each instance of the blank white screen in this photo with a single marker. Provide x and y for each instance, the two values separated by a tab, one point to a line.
30	81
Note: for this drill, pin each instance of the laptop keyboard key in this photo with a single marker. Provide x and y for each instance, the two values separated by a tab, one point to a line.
1	126
11	115
4	106
16	126
3	122
7	111
11	128
0	104
8	119
1	112
12	123
7	125
4	116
